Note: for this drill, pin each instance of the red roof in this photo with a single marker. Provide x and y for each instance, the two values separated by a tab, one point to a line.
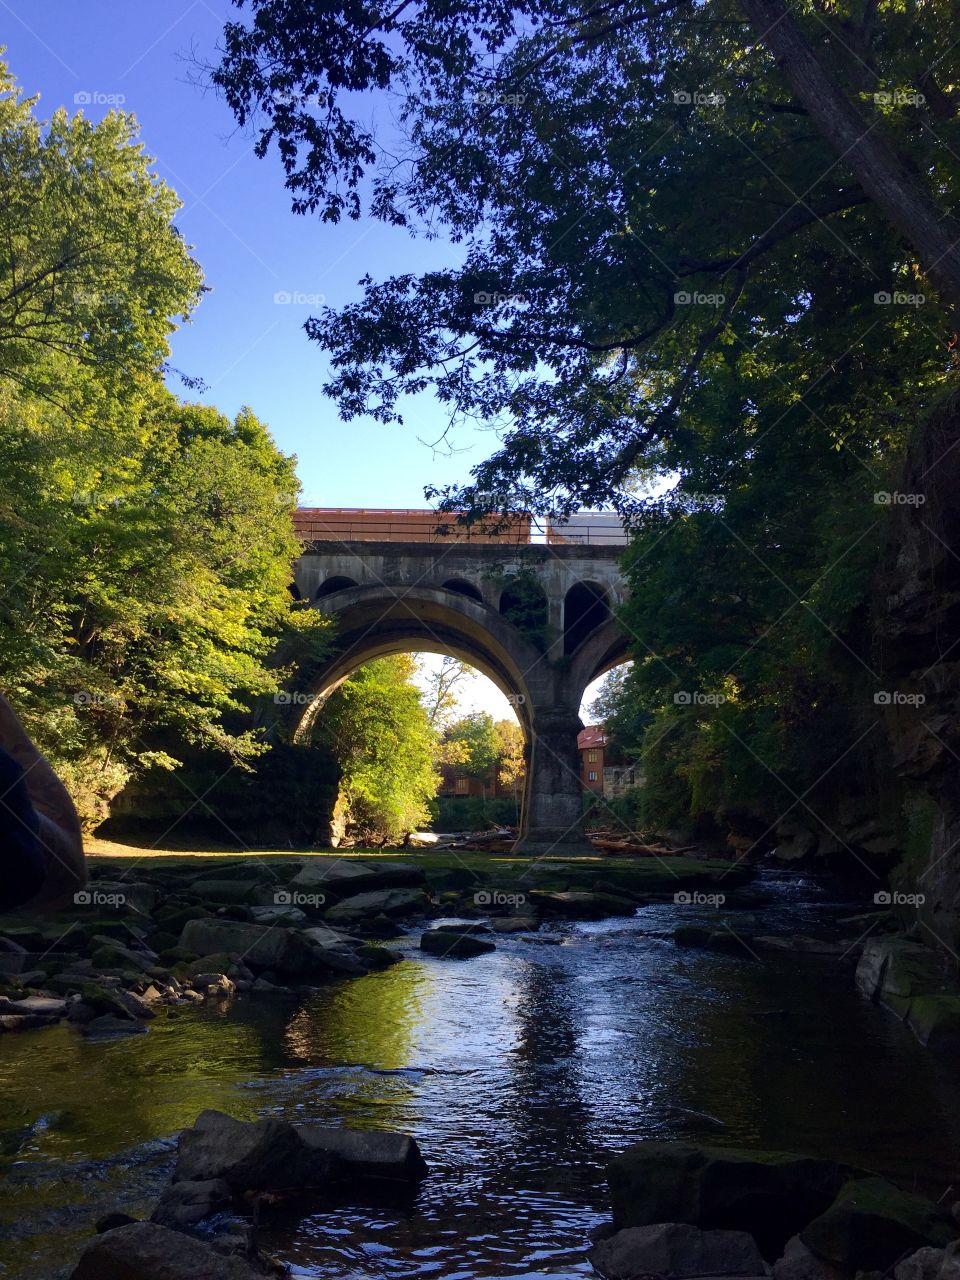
590	736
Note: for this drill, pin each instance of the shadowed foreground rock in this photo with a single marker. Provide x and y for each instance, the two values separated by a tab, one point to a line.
677	1250
265	1155
145	1251
272	1155
770	1195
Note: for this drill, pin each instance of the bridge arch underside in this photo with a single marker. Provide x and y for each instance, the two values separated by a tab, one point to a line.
372	623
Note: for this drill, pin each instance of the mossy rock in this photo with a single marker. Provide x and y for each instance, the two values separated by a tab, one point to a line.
935	1021
872	1223
377	957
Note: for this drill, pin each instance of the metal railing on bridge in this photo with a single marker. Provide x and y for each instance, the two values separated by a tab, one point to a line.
376	524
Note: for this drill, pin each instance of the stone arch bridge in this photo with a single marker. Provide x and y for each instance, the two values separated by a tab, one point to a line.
537	617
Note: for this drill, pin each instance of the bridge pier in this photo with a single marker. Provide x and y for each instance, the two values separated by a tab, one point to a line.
552	820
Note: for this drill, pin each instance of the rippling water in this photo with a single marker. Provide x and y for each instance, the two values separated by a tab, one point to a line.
520	1073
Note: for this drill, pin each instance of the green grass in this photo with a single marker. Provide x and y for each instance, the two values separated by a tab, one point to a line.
458	868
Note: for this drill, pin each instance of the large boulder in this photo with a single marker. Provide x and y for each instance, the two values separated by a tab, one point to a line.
677	1250
385	902
287	952
893	970
455	946
343	877
770	1195
872	1223
147	1251
369	1154
264	1155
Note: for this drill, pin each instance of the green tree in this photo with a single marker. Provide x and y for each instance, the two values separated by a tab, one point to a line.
93	273
380	734
479	744
511	757
146	593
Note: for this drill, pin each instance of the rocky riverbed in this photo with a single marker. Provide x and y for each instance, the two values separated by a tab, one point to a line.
523	1072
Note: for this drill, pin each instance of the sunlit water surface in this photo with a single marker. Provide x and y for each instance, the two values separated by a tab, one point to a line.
520	1073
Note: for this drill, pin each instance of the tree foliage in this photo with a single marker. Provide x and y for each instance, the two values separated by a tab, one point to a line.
380	734
635	259
476	744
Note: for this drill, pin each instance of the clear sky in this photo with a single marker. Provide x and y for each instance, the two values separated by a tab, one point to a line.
250	349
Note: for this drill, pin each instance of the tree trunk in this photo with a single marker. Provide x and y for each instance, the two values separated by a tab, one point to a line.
863	149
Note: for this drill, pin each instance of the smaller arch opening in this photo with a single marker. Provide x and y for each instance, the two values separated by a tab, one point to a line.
524	605
464	588
333	584
585	608
294	591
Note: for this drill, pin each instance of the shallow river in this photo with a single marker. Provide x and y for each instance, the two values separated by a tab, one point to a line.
519	1073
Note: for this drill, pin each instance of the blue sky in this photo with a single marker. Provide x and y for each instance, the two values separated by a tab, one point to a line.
247	348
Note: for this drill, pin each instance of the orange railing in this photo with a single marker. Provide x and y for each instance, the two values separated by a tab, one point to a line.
380	524
341	524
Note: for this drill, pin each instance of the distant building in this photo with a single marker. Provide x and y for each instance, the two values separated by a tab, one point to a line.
457	783
603	769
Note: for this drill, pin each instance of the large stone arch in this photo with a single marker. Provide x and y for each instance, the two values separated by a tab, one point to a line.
373	622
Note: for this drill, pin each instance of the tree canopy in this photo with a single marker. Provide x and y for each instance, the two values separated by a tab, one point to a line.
640	266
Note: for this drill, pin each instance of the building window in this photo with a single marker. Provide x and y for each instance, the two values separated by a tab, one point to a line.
463	786
592	775
593	756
